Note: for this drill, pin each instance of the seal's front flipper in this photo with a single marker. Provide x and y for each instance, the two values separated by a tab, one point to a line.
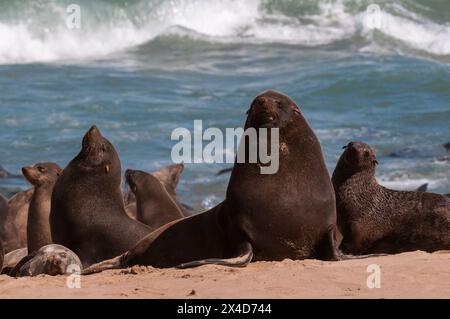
16	270
114	263
327	248
244	258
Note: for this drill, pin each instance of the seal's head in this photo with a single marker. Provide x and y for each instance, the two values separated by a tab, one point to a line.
141	182
359	156
271	109
42	173
56	260
98	156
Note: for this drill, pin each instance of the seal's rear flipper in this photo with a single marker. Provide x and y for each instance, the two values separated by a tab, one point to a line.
244	258
114	263
352	257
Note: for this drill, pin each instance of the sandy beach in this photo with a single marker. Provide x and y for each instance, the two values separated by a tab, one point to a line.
408	275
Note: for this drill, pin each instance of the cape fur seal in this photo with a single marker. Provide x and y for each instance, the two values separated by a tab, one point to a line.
87	209
14	232
43	176
169	177
50	260
289	214
374	219
155	206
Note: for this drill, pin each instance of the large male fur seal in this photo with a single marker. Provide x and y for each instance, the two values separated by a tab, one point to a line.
155	206
374	219
43	176
289	214
87	208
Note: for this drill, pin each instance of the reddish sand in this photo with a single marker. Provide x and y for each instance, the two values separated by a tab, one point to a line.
409	275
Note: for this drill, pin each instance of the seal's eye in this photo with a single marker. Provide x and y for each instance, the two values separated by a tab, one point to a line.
41	169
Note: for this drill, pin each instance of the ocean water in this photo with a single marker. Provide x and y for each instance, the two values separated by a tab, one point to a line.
140	68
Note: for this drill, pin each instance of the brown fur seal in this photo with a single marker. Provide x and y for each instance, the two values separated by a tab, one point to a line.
43	176
155	206
50	260
12	259
14	233
169	176
87	209
374	219
289	214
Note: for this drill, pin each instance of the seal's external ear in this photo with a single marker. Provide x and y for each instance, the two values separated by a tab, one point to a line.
107	169
375	162
296	110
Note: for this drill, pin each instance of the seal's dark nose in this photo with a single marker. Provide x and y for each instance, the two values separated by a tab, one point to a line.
92	136
94	132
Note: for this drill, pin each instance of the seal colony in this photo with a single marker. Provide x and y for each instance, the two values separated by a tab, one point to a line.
79	217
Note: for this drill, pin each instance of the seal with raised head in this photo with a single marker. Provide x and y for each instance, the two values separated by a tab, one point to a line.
155	206
50	260
288	214
14	231
43	176
374	219
87	209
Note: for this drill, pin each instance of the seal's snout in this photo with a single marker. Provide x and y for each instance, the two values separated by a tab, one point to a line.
92	136
264	111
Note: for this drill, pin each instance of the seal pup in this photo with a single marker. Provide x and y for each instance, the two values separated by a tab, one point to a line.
12	259
374	219
14	232
43	176
50	260
87	209
169	176
155	206
289	214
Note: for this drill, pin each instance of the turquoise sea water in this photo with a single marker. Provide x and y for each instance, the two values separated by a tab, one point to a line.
139	69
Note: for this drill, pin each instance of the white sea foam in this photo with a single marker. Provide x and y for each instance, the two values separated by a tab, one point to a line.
121	28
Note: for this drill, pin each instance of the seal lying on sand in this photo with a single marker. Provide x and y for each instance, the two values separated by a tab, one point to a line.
14	232
289	214
43	176
374	219
87	210
155	206
12	259
50	260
